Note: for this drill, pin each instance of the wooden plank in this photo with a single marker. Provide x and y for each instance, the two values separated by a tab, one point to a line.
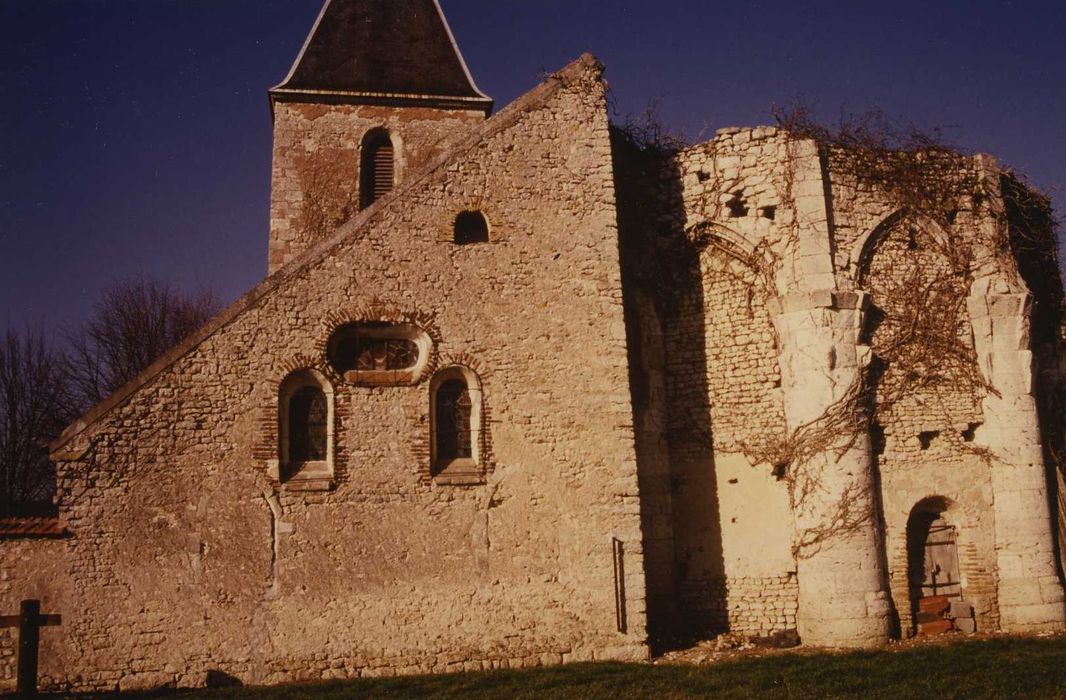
9	620
49	620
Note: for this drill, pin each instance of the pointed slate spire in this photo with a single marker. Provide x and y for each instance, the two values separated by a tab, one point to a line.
382	52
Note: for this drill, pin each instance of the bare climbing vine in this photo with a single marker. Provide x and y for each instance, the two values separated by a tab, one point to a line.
916	322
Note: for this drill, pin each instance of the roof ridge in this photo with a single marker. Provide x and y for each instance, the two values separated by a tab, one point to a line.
505	118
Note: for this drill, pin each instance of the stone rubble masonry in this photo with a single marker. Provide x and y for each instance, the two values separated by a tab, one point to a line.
186	558
639	354
317	151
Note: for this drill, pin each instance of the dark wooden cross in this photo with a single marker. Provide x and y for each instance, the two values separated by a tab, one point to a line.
29	621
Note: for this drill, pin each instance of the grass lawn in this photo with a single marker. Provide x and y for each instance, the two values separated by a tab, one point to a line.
990	668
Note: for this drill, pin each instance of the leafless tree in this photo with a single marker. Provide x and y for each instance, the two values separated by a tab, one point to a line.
34	407
133	324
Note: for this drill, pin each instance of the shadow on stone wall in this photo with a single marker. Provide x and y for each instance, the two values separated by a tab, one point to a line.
1031	232
665	322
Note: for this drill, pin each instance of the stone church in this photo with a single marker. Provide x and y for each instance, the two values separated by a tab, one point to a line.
520	388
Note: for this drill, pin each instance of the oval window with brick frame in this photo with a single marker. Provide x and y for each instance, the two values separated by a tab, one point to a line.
455	419
379	354
471	227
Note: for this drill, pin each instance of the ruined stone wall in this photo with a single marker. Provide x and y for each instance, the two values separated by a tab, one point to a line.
928	253
187	559
317	151
927	432
732	518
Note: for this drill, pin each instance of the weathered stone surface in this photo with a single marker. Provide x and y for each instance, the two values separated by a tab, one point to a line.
689	418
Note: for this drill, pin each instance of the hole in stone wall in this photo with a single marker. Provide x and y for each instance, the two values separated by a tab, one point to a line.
912	240
926	438
952	215
471	227
970	433
738	206
702	176
768	213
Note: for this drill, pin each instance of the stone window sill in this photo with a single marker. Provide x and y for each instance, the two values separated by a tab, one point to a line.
459	472
313	476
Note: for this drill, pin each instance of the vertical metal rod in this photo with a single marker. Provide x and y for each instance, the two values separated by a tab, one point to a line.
29	633
619	584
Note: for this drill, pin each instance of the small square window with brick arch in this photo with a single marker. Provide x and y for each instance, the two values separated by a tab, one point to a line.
471	227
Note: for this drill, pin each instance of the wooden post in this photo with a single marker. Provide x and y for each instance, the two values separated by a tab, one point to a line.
29	621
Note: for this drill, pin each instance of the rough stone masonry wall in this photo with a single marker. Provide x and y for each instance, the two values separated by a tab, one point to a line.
928	441
927	447
732	520
38	565
317	151
186	559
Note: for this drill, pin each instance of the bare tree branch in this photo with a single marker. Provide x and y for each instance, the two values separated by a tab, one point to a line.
135	322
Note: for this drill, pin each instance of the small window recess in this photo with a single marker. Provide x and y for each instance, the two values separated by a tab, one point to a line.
305	432
471	227
377	169
738	206
455	419
379	354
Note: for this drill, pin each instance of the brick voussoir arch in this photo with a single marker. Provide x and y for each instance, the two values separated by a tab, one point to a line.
377	311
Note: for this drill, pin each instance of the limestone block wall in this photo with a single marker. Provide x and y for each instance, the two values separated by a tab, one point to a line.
932	430
187	557
928	434
732	518
317	152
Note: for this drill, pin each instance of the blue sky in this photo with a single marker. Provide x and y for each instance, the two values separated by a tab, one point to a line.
135	135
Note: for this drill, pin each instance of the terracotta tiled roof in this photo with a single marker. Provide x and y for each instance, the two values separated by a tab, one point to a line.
16	528
382	48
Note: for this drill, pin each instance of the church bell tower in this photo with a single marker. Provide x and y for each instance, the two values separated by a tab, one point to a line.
378	89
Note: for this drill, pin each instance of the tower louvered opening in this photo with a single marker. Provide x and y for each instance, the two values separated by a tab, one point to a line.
378	168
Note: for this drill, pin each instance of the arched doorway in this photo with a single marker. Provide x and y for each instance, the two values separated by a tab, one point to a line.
933	571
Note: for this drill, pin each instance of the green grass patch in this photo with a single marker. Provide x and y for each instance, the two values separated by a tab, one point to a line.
991	668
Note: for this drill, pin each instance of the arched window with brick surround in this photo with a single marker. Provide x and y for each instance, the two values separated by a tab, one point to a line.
377	167
455	426
305	431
